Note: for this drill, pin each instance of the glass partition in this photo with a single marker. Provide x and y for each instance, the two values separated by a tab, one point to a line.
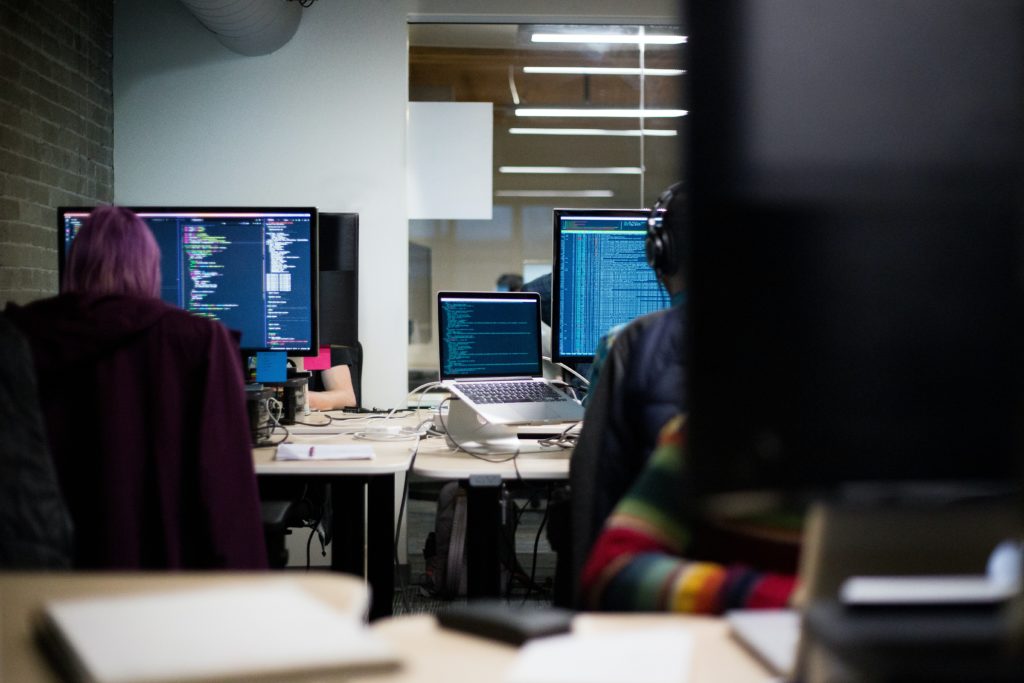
584	117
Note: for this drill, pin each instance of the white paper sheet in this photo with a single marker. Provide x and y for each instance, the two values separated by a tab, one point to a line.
656	655
307	451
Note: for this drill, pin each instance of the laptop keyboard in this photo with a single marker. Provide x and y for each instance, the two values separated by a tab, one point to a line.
509	392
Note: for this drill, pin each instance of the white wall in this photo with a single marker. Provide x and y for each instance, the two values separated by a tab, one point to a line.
320	122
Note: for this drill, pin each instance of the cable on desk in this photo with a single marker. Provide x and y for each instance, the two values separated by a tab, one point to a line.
387	434
330	419
480	456
422	390
276	419
565	439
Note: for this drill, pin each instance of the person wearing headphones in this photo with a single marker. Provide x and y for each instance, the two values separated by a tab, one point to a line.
635	547
637	386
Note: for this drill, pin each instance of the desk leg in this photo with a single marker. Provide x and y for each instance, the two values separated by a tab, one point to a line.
365	541
483	537
380	565
348	504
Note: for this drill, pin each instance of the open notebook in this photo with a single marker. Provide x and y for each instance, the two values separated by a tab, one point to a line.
226	632
489	343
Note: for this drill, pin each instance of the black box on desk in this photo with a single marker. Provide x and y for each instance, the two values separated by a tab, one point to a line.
257	397
292	395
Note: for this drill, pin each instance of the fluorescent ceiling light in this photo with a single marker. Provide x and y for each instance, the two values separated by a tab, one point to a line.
608	38
576	194
610	170
601	71
630	133
603	113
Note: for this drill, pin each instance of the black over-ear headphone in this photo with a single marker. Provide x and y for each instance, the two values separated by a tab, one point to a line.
661	253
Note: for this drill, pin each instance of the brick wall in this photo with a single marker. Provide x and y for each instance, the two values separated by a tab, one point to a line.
56	130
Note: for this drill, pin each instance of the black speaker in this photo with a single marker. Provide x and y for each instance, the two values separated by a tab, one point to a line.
339	278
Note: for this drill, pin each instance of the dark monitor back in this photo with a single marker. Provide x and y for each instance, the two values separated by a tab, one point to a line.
856	189
339	278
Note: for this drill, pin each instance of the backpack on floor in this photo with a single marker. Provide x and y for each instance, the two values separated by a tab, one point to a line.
445	548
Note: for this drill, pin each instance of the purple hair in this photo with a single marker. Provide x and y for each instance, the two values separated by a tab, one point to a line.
114	253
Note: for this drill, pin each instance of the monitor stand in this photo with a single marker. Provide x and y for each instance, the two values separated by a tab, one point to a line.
466	429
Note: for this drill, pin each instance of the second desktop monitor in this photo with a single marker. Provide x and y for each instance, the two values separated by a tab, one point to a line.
600	278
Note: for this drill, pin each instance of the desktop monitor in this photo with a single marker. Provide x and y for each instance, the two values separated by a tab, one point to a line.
600	278
855	174
253	269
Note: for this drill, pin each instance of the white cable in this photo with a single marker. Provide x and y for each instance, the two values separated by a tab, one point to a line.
568	369
422	388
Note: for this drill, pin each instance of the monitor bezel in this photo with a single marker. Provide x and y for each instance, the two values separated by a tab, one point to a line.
556	268
313	246
498	296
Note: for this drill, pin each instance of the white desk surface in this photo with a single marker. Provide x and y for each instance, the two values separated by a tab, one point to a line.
430	654
435	655
390	457
435	460
22	595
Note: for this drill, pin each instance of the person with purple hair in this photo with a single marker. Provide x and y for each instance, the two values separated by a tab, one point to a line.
144	408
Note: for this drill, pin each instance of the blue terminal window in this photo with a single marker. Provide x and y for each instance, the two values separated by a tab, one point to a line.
600	278
252	269
489	336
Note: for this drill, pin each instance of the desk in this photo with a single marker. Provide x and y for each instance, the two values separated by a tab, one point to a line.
22	594
483	483
362	498
363	504
435	655
430	654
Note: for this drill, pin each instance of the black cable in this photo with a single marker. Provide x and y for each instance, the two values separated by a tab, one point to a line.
536	543
517	571
401	512
330	419
309	540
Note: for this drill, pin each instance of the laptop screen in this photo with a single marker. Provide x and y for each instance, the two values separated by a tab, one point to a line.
489	334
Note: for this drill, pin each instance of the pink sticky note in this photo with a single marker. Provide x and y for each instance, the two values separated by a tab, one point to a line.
322	361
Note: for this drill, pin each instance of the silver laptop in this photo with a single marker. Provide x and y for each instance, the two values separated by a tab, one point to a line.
489	344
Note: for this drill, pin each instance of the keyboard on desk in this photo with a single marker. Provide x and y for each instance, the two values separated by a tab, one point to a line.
509	392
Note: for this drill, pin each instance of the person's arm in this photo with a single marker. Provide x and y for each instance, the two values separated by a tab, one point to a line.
339	390
638	564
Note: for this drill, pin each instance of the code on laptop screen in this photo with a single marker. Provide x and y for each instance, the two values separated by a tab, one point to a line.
489	337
